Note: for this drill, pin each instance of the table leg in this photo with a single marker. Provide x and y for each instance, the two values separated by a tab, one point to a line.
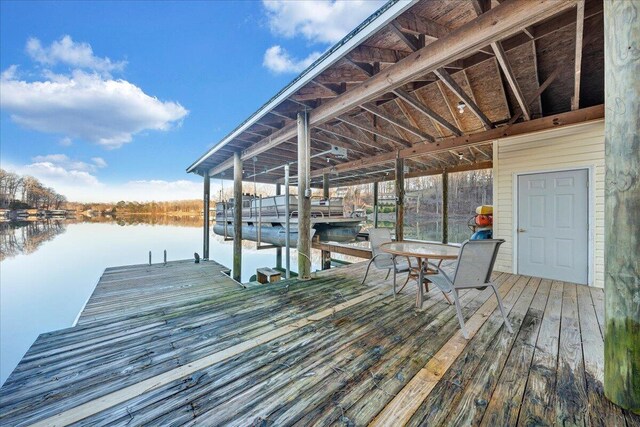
420	295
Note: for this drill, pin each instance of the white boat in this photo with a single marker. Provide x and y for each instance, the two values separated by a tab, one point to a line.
263	220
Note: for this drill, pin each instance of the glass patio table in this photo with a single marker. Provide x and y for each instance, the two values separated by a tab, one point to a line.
422	252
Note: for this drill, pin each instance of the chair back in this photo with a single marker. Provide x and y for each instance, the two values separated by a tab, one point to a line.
378	236
475	263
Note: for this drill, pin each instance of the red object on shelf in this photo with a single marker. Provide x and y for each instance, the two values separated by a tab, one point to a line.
484	220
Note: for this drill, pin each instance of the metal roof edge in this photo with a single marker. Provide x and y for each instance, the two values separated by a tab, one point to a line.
379	19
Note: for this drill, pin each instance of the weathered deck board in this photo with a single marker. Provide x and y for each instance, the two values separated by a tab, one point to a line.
183	343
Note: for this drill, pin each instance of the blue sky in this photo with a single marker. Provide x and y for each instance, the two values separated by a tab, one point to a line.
106	101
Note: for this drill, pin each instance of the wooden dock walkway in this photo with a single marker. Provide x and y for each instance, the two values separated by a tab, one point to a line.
183	344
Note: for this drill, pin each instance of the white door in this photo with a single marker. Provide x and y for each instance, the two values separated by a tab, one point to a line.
553	225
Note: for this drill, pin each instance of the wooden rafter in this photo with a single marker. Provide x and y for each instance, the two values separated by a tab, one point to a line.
417	25
362	66
374	131
443	93
281	115
379	112
361	135
370	54
481	6
446	78
511	78
411	41
359	143
538	92
575	101
411	99
340	143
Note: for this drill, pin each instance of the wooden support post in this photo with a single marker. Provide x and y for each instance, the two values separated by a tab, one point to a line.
326	260
237	217
278	249
399	198
622	203
304	197
445	207
325	186
575	100
375	204
287	224
205	222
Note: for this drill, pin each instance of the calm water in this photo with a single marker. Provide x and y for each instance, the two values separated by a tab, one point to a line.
49	269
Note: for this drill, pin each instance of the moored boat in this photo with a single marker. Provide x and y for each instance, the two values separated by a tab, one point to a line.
264	220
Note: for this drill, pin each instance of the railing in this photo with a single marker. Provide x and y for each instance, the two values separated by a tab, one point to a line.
256	208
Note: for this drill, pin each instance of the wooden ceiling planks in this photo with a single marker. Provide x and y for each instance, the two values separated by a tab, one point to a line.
485	81
523	62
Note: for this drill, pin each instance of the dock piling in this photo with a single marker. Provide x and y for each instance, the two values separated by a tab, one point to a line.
304	197
287	222
206	222
237	217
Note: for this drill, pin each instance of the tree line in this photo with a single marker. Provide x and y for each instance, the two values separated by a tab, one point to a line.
23	192
423	195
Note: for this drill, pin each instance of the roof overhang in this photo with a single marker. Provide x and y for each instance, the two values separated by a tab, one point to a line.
370	26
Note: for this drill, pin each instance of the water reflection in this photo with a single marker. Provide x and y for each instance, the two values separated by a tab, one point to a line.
24	237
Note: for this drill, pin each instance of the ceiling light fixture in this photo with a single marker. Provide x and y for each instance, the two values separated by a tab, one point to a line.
461	107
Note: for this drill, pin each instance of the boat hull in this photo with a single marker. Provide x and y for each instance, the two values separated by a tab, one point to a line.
275	235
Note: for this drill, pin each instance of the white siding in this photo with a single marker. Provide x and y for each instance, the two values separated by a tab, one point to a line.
571	147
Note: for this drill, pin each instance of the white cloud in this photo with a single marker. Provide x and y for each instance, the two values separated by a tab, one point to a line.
279	61
63	161
10	73
320	21
57	176
78	184
86	106
66	51
66	141
99	162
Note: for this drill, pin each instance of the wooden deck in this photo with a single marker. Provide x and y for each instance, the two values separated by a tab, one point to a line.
184	344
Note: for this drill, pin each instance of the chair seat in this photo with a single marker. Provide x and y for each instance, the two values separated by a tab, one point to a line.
441	282
402	265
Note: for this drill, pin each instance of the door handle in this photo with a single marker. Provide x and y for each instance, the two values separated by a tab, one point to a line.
521	230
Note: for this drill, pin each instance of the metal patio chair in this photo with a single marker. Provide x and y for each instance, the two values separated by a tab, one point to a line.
473	270
385	261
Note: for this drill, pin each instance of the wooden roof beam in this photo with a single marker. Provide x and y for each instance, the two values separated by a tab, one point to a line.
339	143
411	99
575	100
379	112
371	54
411	41
361	135
460	93
536	95
481	6
497	24
281	115
359	143
374	131
412	23
511	78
